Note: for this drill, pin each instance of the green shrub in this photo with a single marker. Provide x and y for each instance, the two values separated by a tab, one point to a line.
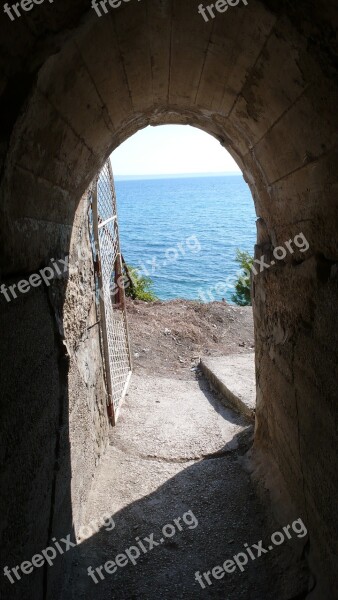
242	296
141	288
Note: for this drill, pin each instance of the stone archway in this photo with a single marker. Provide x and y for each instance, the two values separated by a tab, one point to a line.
261	79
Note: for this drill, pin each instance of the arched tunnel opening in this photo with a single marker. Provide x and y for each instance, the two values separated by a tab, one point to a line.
195	232
187	222
262	79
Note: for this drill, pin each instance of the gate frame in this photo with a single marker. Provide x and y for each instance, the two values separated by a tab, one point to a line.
112	412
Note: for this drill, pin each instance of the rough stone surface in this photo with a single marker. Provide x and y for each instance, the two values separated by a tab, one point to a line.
234	377
263	80
54	422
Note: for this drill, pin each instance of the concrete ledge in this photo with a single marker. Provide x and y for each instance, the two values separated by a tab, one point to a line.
233	377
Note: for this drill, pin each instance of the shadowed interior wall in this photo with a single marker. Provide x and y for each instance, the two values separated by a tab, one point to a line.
262	79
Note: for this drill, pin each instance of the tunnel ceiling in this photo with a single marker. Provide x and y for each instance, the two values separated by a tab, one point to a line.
26	45
259	78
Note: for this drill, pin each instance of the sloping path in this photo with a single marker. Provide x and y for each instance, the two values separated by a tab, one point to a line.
176	453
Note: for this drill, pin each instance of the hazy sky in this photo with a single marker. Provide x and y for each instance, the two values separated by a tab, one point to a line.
171	149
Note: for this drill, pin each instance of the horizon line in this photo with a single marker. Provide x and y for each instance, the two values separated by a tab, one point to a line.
177	175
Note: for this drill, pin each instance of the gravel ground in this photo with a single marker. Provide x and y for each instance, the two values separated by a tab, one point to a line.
169	337
177	451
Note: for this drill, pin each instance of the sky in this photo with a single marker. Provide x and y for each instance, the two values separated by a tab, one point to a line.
171	150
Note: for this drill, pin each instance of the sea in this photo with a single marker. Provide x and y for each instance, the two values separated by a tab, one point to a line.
183	232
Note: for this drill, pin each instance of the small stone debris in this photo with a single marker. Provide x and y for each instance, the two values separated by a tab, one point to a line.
169	331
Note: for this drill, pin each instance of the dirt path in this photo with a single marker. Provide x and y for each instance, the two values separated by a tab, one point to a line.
174	474
169	337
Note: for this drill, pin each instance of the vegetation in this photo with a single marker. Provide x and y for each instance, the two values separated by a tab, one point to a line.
141	288
242	296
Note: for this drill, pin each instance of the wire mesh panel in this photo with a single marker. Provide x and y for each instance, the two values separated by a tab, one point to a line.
113	317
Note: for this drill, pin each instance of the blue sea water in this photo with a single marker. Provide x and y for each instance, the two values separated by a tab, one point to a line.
183	232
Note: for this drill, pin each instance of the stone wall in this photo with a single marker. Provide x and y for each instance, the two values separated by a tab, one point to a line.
54	426
296	361
263	80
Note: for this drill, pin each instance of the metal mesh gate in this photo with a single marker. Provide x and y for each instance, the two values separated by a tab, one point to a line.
110	288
